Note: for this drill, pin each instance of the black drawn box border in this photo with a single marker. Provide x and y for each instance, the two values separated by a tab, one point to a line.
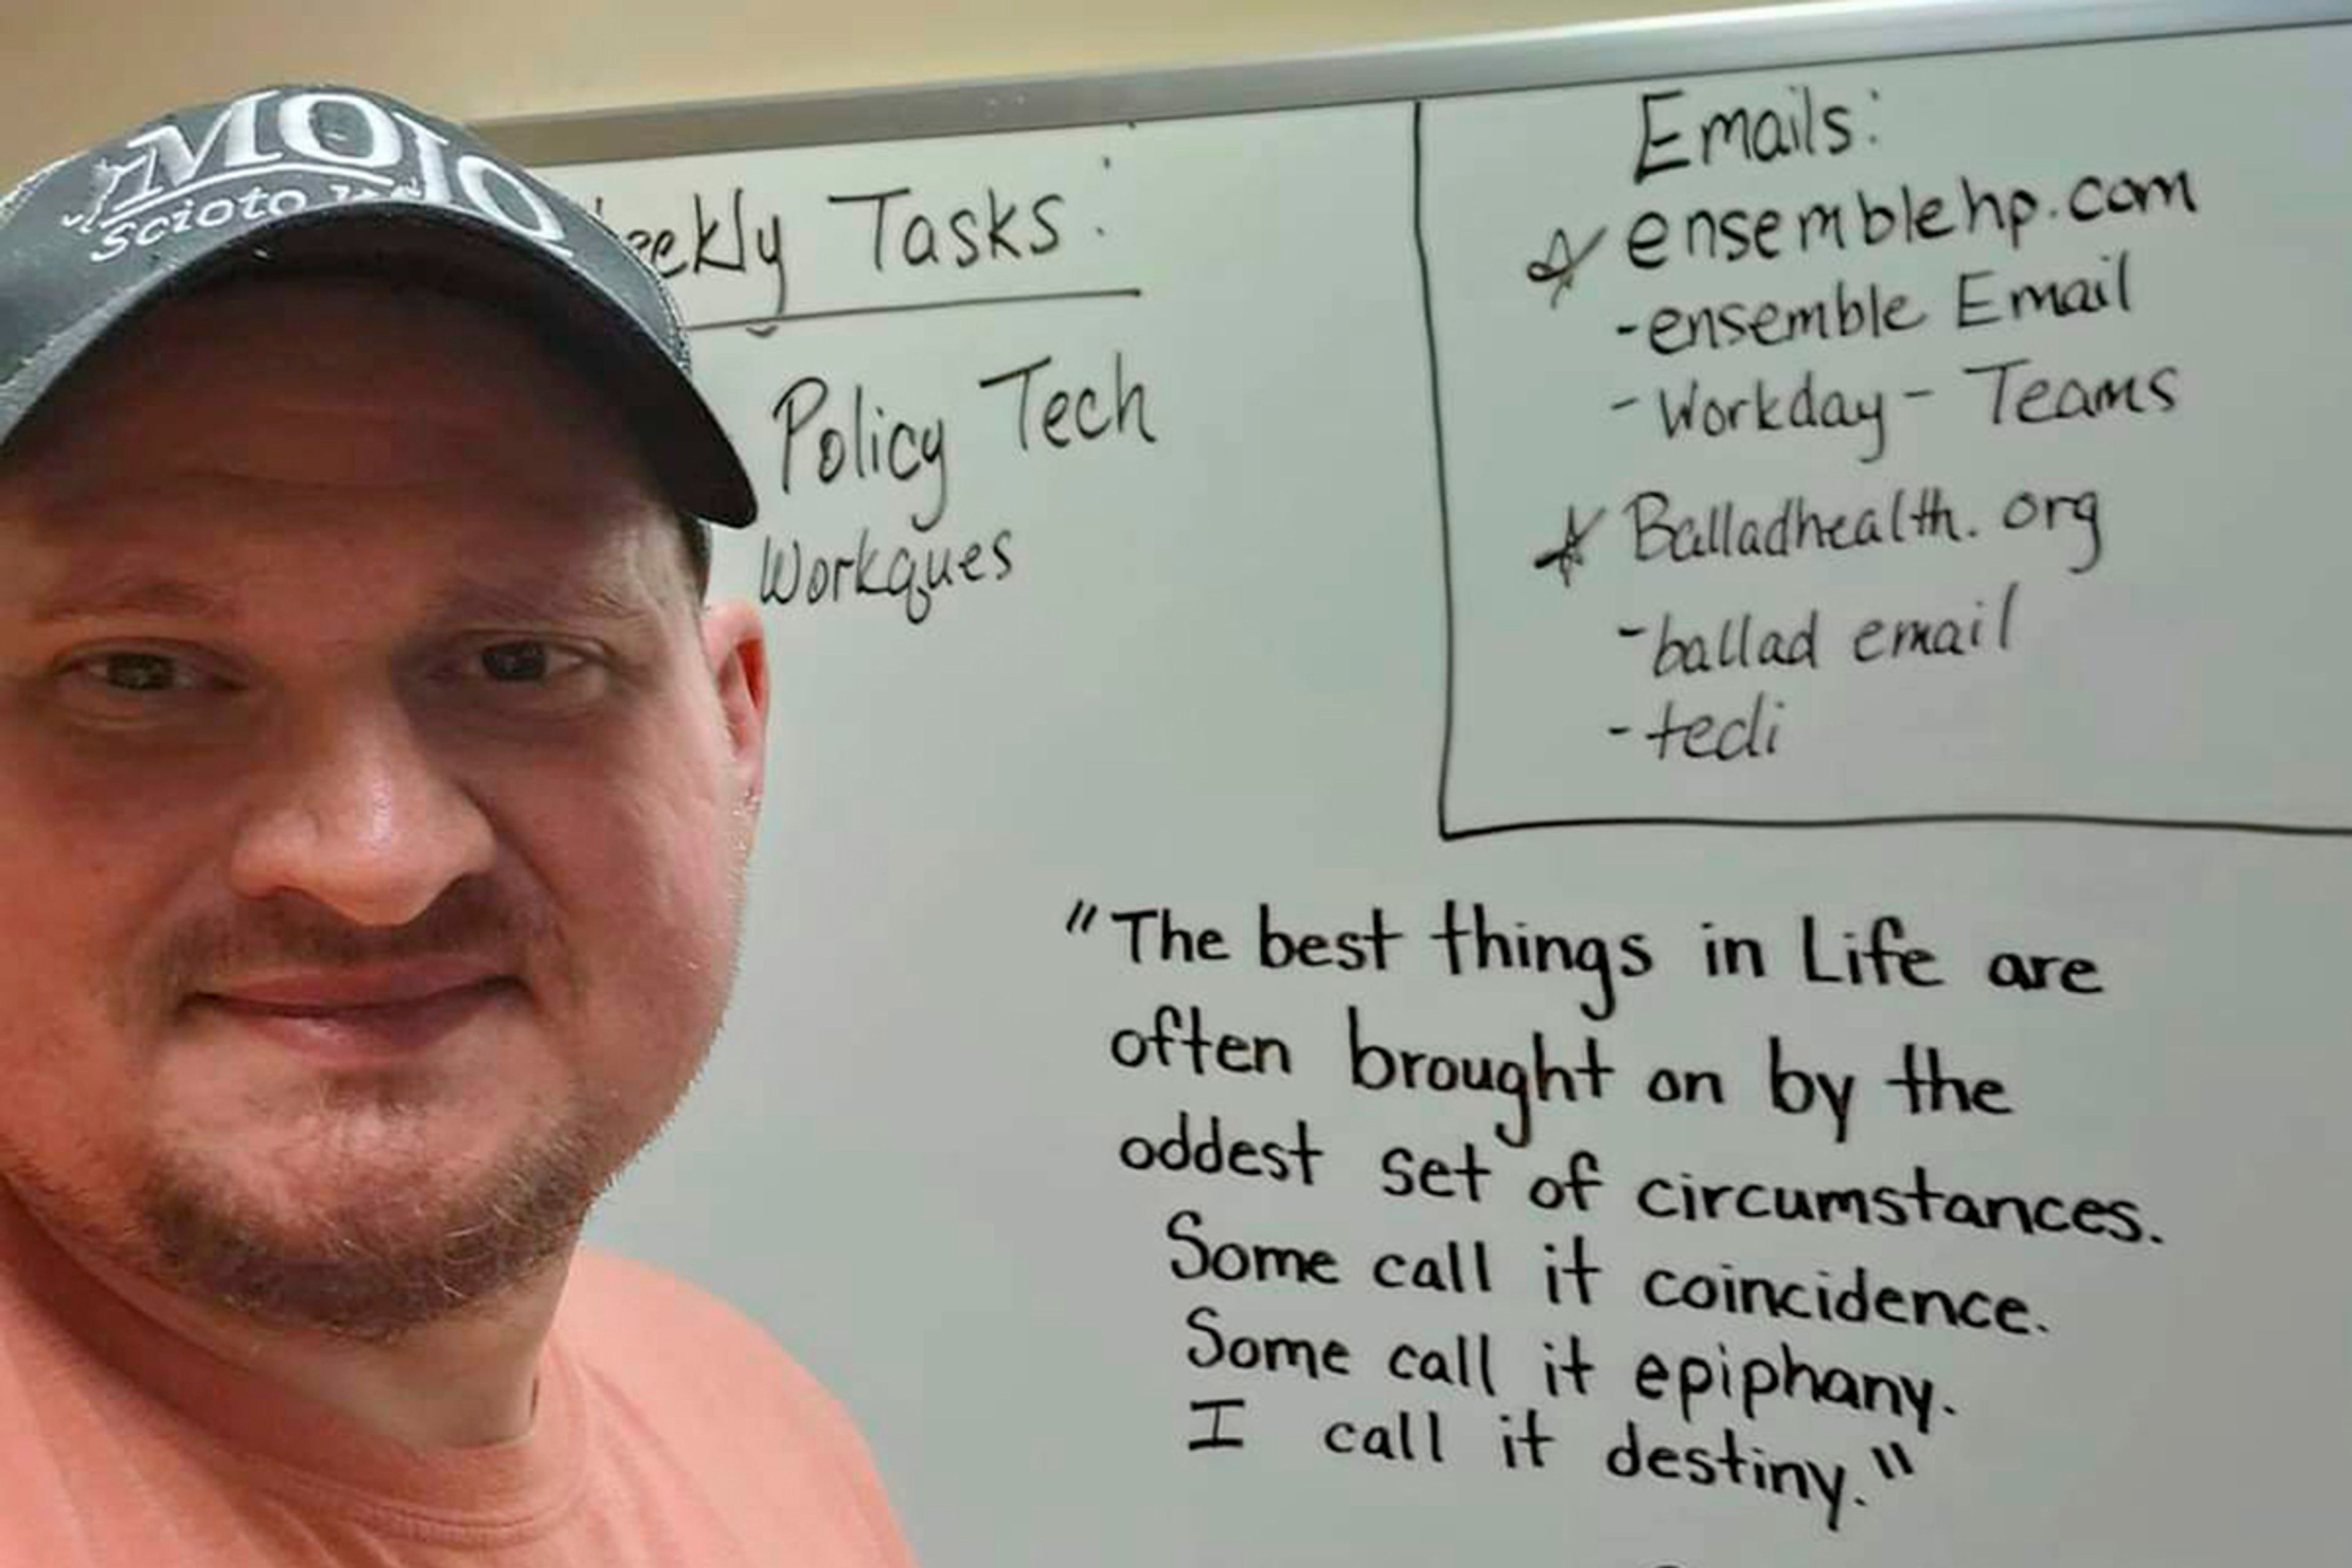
1449	832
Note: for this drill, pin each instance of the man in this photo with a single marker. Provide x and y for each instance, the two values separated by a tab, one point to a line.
375	792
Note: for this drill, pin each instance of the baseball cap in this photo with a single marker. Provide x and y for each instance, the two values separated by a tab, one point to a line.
297	178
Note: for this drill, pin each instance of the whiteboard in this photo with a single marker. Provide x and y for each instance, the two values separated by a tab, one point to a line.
1591	812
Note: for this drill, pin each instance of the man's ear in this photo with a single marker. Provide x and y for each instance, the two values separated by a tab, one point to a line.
735	651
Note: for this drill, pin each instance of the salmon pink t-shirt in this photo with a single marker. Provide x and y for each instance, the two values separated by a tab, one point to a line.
669	1433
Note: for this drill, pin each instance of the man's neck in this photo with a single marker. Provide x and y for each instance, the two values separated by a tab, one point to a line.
468	1381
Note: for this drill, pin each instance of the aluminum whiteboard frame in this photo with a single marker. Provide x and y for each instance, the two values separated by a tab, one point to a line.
1693	44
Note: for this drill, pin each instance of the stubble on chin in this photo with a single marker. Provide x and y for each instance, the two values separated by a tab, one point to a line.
375	1264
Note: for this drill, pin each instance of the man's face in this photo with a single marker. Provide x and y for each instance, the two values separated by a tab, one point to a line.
373	800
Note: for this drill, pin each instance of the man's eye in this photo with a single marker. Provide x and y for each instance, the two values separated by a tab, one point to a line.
544	676
143	689
528	678
517	661
139	671
132	672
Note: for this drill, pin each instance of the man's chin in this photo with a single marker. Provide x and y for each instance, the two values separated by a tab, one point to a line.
370	1255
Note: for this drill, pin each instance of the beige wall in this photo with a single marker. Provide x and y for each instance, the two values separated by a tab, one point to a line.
73	70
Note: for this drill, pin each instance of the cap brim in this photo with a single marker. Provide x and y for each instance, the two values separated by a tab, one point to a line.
682	441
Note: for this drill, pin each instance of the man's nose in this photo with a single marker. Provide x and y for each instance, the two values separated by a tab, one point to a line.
355	811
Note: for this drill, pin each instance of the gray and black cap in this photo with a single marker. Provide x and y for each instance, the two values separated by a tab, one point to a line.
294	179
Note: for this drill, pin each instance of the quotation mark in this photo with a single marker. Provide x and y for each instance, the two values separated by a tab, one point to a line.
1082	917
1893	1462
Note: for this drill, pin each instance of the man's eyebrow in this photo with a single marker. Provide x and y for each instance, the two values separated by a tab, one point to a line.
528	603
117	597
172	598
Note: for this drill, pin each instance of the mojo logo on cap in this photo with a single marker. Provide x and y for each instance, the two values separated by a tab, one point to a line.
289	180
279	151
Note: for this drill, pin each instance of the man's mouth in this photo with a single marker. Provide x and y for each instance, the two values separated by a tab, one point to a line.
360	1014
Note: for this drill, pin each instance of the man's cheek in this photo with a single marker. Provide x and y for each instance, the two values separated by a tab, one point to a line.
49	980
667	921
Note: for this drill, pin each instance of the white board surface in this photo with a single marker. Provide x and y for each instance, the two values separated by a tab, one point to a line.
2039	597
